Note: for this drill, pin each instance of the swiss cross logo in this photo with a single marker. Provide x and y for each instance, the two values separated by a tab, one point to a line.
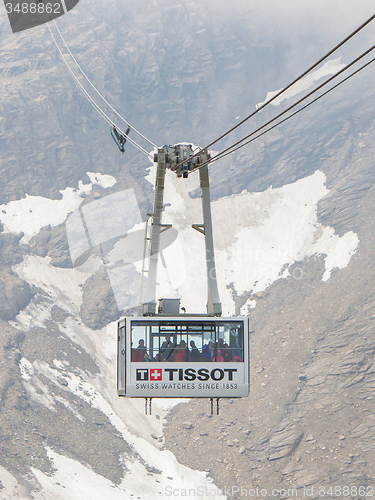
156	374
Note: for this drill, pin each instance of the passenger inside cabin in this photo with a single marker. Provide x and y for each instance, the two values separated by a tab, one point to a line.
166	349
208	351
235	348
140	351
225	351
236	359
194	354
181	352
146	357
218	357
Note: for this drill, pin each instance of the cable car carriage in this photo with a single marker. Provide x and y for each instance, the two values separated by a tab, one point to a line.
166	354
170	356
119	138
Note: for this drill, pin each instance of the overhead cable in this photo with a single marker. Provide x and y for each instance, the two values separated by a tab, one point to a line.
97	91
291	84
222	155
99	110
295	81
231	149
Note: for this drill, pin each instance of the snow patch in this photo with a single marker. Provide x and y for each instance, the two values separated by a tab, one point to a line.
245	309
338	250
73	480
12	489
35	314
329	68
36	390
31	213
137	480
26	368
257	236
103	180
63	286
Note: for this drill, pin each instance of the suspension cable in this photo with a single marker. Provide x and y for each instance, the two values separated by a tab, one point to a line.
231	149
293	114
278	94
296	80
99	110
97	91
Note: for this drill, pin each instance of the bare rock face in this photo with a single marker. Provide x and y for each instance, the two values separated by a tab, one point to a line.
11	252
99	304
29	419
14	292
52	241
309	418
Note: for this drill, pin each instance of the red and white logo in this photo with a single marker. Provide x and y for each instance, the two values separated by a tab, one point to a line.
156	374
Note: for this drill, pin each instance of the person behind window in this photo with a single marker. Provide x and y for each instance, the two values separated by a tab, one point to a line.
146	357
194	354
225	352
235	348
166	349
140	351
236	359
208	351
219	358
181	352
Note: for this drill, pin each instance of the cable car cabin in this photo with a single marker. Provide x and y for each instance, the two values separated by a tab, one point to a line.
183	357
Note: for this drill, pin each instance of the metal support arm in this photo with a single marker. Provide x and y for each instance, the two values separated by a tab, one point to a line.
167	157
156	229
213	299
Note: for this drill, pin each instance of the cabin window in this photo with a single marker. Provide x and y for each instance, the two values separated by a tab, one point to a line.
187	341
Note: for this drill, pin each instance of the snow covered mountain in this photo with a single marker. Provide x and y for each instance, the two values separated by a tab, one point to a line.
293	228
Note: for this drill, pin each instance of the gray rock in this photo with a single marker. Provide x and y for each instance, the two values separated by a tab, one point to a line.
187	425
99	304
15	295
62	381
11	253
52	241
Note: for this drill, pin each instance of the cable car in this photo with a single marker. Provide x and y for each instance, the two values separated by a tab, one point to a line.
183	357
163	353
119	139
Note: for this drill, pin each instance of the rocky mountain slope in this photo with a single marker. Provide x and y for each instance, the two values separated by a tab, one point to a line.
183	72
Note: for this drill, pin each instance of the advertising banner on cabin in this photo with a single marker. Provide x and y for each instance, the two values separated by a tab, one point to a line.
221	380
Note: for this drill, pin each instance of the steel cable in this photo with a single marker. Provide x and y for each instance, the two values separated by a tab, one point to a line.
290	116
290	85
97	91
96	106
233	148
